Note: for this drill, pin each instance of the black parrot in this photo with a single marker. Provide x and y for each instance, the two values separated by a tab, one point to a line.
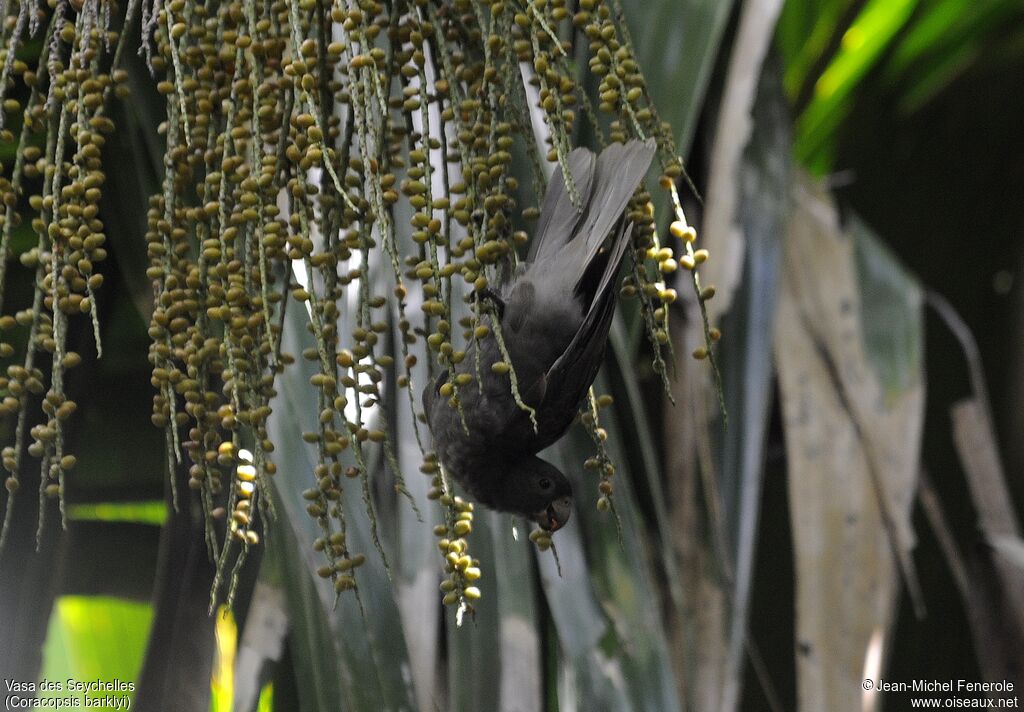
554	314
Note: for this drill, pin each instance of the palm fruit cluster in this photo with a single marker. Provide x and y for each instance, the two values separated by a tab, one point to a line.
353	160
601	462
461	570
53	118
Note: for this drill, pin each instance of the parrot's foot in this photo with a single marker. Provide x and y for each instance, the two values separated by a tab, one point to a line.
495	299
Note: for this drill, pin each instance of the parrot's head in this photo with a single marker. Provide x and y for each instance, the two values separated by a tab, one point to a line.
546	496
533	489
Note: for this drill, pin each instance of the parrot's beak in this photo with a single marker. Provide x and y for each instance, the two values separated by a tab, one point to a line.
556	515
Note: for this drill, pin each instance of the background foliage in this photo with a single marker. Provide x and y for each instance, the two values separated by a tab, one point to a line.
853	519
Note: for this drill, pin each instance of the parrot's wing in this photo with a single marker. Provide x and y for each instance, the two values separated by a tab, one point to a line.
618	172
570	377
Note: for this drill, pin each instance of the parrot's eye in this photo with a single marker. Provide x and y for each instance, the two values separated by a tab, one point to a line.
545	483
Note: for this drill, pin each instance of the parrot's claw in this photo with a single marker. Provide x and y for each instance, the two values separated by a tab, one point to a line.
495	299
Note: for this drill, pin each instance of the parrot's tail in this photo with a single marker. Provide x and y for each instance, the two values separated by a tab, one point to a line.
605	184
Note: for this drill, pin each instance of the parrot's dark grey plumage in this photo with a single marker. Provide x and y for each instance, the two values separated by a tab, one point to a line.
555	313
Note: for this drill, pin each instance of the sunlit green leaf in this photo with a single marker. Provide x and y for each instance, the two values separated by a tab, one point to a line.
95	638
222	680
862	45
140	512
